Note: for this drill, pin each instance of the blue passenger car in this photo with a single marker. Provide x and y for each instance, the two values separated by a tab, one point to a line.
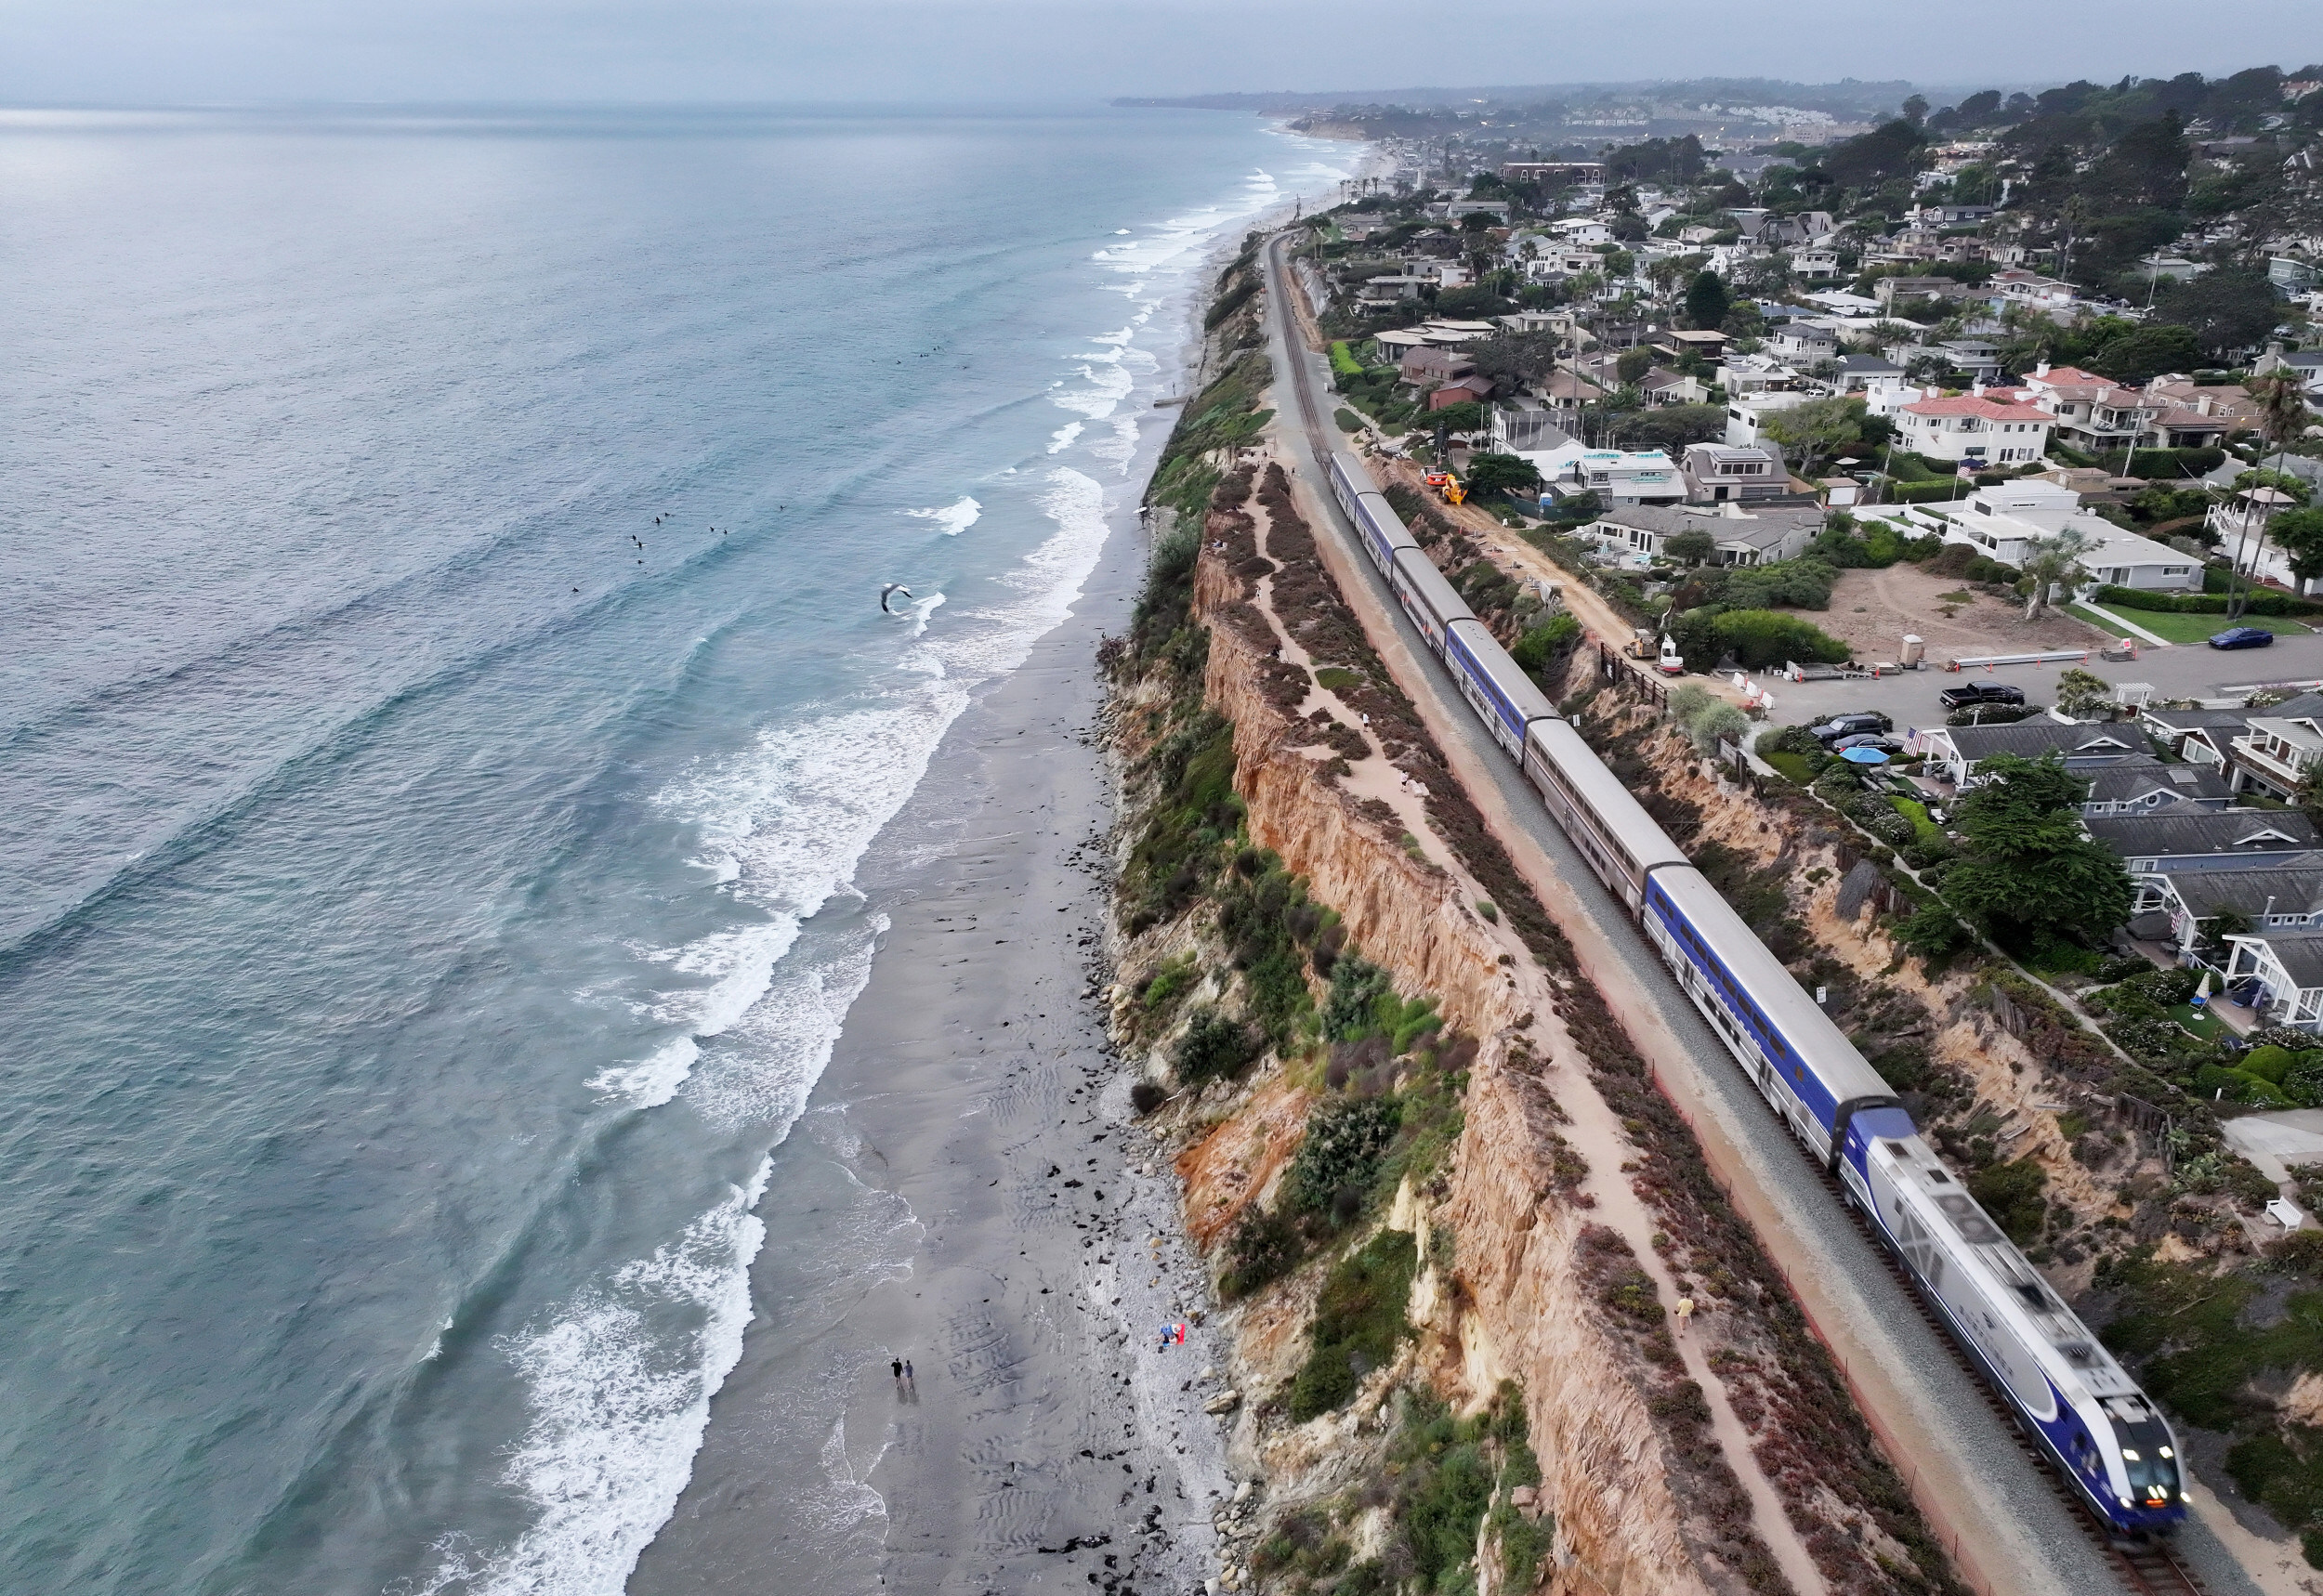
1494	685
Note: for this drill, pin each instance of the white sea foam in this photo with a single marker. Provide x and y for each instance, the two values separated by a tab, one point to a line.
952	518
1062	438
619	1406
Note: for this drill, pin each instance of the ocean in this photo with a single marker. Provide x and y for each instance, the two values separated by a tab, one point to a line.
448	703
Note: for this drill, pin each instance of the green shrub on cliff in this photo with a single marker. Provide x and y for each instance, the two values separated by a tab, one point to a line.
1358	1321
1341	1155
1215	1044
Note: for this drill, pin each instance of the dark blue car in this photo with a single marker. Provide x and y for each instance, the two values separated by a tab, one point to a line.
2242	638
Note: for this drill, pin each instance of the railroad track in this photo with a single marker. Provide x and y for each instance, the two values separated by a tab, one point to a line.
2149	1570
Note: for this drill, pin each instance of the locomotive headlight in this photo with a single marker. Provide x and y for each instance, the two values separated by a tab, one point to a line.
2127	1503
2167	1453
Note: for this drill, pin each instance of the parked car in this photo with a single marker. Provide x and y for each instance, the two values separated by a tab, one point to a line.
1969	693
1849	724
2242	638
1878	739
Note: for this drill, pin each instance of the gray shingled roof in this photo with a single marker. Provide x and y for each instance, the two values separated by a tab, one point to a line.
2302	955
2117	784
2181	830
2206	893
2199	720
2031	739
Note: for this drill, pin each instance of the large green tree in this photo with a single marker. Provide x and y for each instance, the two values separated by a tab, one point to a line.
2233	308
1818	432
2138	357
1490	473
2028	871
1706	301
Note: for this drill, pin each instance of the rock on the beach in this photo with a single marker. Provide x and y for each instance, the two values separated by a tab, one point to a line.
1225	1402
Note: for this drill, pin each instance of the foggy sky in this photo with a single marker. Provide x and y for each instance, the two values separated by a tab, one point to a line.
202	51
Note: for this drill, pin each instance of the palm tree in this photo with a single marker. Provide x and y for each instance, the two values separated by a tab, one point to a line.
2049	561
2282	411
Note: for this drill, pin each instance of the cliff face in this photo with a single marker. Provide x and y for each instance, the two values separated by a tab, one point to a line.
1521	1307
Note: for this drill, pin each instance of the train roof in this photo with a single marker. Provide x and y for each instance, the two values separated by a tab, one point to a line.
1378	509
1618	812
1820	1044
1438	594
1529	702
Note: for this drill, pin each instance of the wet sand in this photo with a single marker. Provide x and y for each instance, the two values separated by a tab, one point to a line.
962	1193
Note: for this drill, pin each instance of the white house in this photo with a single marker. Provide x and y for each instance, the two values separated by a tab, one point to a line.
1740	539
1814	263
2003	521
1616	477
2280	974
1583	230
1747	413
2017	286
1804	344
1975	430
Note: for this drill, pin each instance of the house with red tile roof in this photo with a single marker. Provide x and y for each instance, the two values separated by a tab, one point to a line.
1975	429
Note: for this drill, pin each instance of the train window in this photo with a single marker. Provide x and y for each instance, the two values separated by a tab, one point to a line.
2034	1297
1896	1150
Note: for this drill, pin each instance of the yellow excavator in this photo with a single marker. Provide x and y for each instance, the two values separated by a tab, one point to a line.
1448	485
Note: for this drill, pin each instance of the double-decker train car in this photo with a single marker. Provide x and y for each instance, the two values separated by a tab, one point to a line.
2078	1406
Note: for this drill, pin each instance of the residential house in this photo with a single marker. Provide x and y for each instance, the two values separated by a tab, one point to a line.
1716	472
1619	478
2280	975
2017	286
2305	365
1461	390
1583	230
1858	372
2185	908
1554	173
1888	290
1747	413
2241	524
1958	751
1430	364
1803	344
2275	752
1661	386
2179	838
1975	430
2141	787
1567	390
2229	403
1742	540
1756	375
1814	264
2198	736
1674	342
1976	358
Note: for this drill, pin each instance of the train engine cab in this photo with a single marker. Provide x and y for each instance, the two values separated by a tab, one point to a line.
2073	1401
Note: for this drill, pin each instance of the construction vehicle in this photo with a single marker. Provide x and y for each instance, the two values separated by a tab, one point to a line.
1447	484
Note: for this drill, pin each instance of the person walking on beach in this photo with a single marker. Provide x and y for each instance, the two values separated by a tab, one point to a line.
908	1377
895	1367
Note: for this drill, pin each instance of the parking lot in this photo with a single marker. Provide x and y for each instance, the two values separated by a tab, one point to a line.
2174	672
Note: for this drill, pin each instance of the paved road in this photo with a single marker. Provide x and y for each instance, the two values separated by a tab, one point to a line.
2174	672
2013	1534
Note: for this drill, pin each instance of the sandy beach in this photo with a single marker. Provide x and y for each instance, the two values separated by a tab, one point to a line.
973	1131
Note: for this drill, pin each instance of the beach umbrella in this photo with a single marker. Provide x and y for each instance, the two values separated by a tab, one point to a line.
1863	756
2201	993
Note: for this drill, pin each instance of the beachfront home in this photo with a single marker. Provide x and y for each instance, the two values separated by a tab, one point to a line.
2147	786
2177	839
2185	908
2280	975
1958	750
2276	753
1616	477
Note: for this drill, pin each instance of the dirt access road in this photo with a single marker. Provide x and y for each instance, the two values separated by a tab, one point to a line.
2009	1532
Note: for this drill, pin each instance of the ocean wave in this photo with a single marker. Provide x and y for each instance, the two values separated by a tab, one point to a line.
783	1044
619	1406
952	518
1062	438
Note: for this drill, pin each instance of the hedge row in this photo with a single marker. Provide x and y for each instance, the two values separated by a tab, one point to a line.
2259	601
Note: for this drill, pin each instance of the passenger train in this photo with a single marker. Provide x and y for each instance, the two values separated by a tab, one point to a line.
2079	1407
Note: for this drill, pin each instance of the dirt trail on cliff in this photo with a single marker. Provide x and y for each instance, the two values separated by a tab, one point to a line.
1525	1009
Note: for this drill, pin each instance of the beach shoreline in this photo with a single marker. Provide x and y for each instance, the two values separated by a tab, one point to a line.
1019	1240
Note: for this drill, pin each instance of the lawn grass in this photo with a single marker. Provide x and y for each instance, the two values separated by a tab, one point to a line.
1793	766
2202	1022
1928	834
2190	629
